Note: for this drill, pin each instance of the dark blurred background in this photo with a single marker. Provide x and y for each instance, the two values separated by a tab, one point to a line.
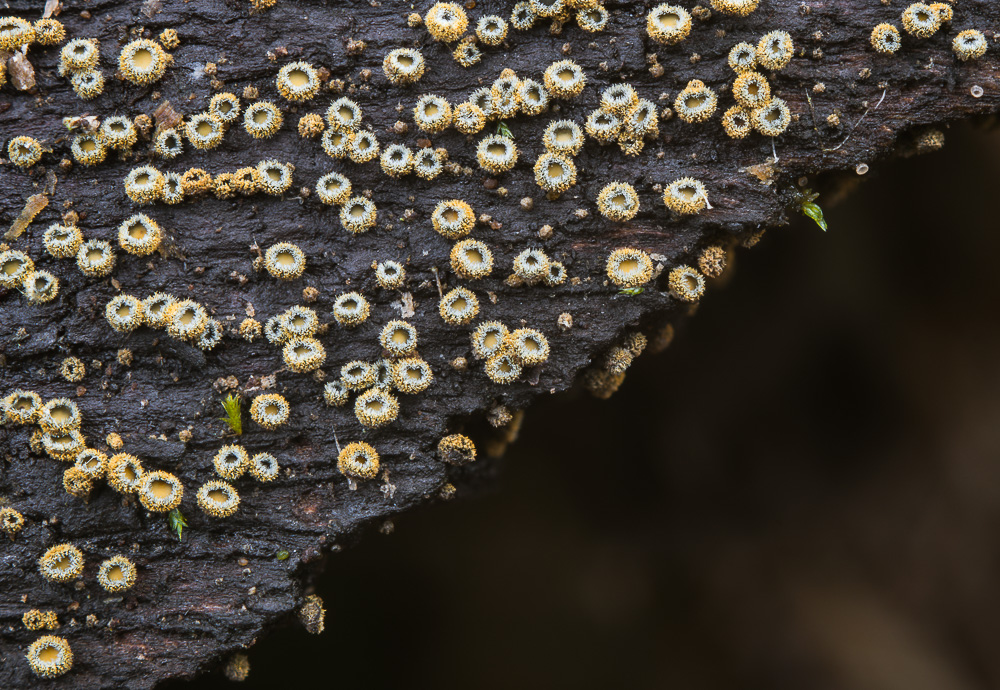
802	492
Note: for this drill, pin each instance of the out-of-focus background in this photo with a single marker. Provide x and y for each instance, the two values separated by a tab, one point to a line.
802	492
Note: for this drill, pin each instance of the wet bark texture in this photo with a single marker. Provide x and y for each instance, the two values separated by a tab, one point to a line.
200	599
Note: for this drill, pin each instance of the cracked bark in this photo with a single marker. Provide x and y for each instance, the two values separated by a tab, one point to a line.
198	600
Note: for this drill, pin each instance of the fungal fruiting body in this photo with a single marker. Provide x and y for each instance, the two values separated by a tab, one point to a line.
285	261
231	462
357	375
411	375
142	62
469	118
628	267
343	115
160	492
218	499
73	369
564	79
144	184
40	620
532	97
116	574
737	122
61	563
40	287
531	265
91	462
432	113
457	449
63	446
59	416
459	306
269	410
88	149
885	39
775	50
921	20
618	201
771	119
740	8
139	235
350	309
453	219
23	151
50	656
563	138
118	132
446	21
555	174
336	394
124	473
11	521
15	266
471	259
299	322
78	55
358	215
399	338
742	57
186	320
467	54
712	261
264	467
95	258
333	188
303	354
491	30
685	196
204	131
376	407
593	19
124	313
528	346
77	483
358	460
88	83
389	274
155	309
211	336
22	407
969	45
250	329
603	126
751	90
262	119
225	107
49	32
397	160
523	16
496	153
297	82
668	24
489	339
696	102
403	66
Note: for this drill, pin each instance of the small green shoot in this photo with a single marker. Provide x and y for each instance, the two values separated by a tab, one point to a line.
808	207
283	555
503	130
177	523
233	413
632	292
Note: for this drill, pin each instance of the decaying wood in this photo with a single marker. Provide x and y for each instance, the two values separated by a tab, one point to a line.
200	599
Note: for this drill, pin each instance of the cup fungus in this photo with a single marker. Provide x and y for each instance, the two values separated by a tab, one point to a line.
642	120
63	446
685	196
563	138
264	467
124	473
23	151
532	98
155	309
668	24
775	50
432	113
88	149
686	284
471	259
59	416
619	99
618	201
427	163
363	147
186	320
302	355
299	322
285	261
333	189
218	499
527	346
169	39
751	90
555	174
403	66
771	119
523	16
740	8
77	483
61	563
142	62
231	462
61	241
11	521
397	160
496	153
40	287
628	267
467	54
118	132
78	55
742	57
453	219
116	574
297	82
95	258
350	309
49	32
139	235
49	656
336	144
603	126
389	274
446	21
40	620
593	19
343	115
262	119
564	79
399	338
249	329
335	394
211	336
144	184
376	407
411	375
491	30
482	98
88	83
269	410
696	102
225	107
458	306
22	407
969	45
358	215
736	122
885	39
358	460
457	449
531	265
311	125
358	375
73	369
92	463
556	275
196	181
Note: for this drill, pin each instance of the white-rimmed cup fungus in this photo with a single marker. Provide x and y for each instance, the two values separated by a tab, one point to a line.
737	122
556	275
618	201
88	83
523	16
496	153
376	407
619	98
124	313
742	57
173	189
91	462
336	394
363	147
432	113
399	338
124	473
428	163
357	375
593	19
771	119
24	151
264	467
603	126
343	115
553	173
269	410
459	306
143	61
396	160
740	8
116	574
563	138
300	322
527	346
15	32
628	267
15	266
156	309
469	118
350	309
668	24
489	339
61	563
531	265
389	274
160	492
186	320
775	50
456	449
78	55
231	462
218	499
59	416
491	30
471	259
22	407
204	131
73	369
358	215
686	196
285	261
262	119
139	235
333	189
564	79
64	447
249	329
446	21
969	45
118	132
226	107
303	355
403	66
40	287
49	656
297	82
11	521
885	39
482	98
144	184
501	368
696	102
88	149
532	98
358	460
95	258
62	241
751	90
411	375
467	54
921	20
210	336
686	284
453	219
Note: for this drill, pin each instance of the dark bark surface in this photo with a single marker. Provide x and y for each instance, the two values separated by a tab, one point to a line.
216	591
